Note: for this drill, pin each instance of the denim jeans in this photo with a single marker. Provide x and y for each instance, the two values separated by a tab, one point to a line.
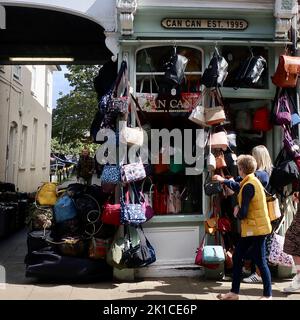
258	253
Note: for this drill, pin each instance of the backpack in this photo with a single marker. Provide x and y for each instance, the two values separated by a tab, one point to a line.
216	72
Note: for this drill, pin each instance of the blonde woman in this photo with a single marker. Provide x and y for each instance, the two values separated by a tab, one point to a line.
255	226
263	172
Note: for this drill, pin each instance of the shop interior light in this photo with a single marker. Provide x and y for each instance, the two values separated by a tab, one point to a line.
40	59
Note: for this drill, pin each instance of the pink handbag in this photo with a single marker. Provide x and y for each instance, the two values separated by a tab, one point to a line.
219	140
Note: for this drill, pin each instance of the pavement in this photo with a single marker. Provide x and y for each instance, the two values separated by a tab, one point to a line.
18	287
15	286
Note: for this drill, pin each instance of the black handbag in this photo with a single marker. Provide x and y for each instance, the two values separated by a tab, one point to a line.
140	255
216	72
250	71
285	172
175	67
212	187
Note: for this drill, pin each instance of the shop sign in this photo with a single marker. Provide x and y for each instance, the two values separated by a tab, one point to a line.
212	24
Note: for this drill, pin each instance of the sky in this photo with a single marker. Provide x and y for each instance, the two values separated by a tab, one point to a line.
60	84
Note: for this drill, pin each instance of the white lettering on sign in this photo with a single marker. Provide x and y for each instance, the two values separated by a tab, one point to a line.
218	24
2	18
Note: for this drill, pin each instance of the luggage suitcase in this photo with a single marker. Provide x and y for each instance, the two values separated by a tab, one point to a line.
36	240
6	186
48	265
9	196
8	217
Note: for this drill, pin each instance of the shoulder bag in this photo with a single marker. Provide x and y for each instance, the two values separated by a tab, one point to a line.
286	74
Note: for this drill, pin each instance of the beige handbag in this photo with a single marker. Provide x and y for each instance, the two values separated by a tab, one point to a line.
219	140
198	116
132	136
215	114
211	160
273	208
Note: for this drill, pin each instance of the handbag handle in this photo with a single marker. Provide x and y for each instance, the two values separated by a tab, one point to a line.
136	114
121	72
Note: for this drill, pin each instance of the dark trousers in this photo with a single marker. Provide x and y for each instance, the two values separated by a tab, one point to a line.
258	253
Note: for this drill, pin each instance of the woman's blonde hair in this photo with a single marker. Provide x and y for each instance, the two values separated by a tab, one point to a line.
247	163
263	159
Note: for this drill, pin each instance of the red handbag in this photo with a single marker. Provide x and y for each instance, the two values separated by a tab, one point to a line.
160	199
190	100
261	120
111	214
224	224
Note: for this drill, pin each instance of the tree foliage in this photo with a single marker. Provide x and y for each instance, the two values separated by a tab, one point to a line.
74	113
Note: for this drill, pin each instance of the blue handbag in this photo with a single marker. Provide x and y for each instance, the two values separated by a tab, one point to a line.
213	254
64	209
132	213
111	174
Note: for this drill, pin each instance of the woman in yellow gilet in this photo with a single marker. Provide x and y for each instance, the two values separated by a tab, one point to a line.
255	226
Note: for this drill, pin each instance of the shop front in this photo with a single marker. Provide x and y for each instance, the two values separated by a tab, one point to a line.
238	32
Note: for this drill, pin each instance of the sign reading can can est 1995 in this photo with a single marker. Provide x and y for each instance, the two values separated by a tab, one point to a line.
196	23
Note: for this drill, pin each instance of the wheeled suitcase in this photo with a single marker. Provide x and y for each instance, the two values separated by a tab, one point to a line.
37	240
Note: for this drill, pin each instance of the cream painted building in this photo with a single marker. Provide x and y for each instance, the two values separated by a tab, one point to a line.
25	124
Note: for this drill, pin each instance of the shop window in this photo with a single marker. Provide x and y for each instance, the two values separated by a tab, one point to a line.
236	56
172	189
150	70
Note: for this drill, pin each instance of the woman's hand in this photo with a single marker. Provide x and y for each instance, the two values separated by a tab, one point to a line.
218	178
236	211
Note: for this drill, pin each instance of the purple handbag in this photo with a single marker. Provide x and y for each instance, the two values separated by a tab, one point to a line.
283	113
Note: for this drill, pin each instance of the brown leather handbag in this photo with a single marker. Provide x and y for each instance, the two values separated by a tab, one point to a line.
287	72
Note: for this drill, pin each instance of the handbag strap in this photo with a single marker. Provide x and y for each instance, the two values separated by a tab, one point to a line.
136	114
122	71
141	234
139	108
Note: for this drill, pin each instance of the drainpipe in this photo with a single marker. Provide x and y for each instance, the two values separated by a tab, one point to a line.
296	52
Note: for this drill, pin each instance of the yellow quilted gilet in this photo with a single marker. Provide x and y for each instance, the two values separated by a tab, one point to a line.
257	221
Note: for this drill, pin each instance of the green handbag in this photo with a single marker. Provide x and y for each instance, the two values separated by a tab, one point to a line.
176	167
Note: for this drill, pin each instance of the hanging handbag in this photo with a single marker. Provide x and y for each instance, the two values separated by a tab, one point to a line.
250	71
219	140
111	174
174	199
198	116
175	67
286	74
111	214
133	172
191	100
283	113
47	194
140	255
211	160
215	114
161	167
132	136
147	100
277	256
220	160
261	119
212	187
132	213
160	199
216	72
